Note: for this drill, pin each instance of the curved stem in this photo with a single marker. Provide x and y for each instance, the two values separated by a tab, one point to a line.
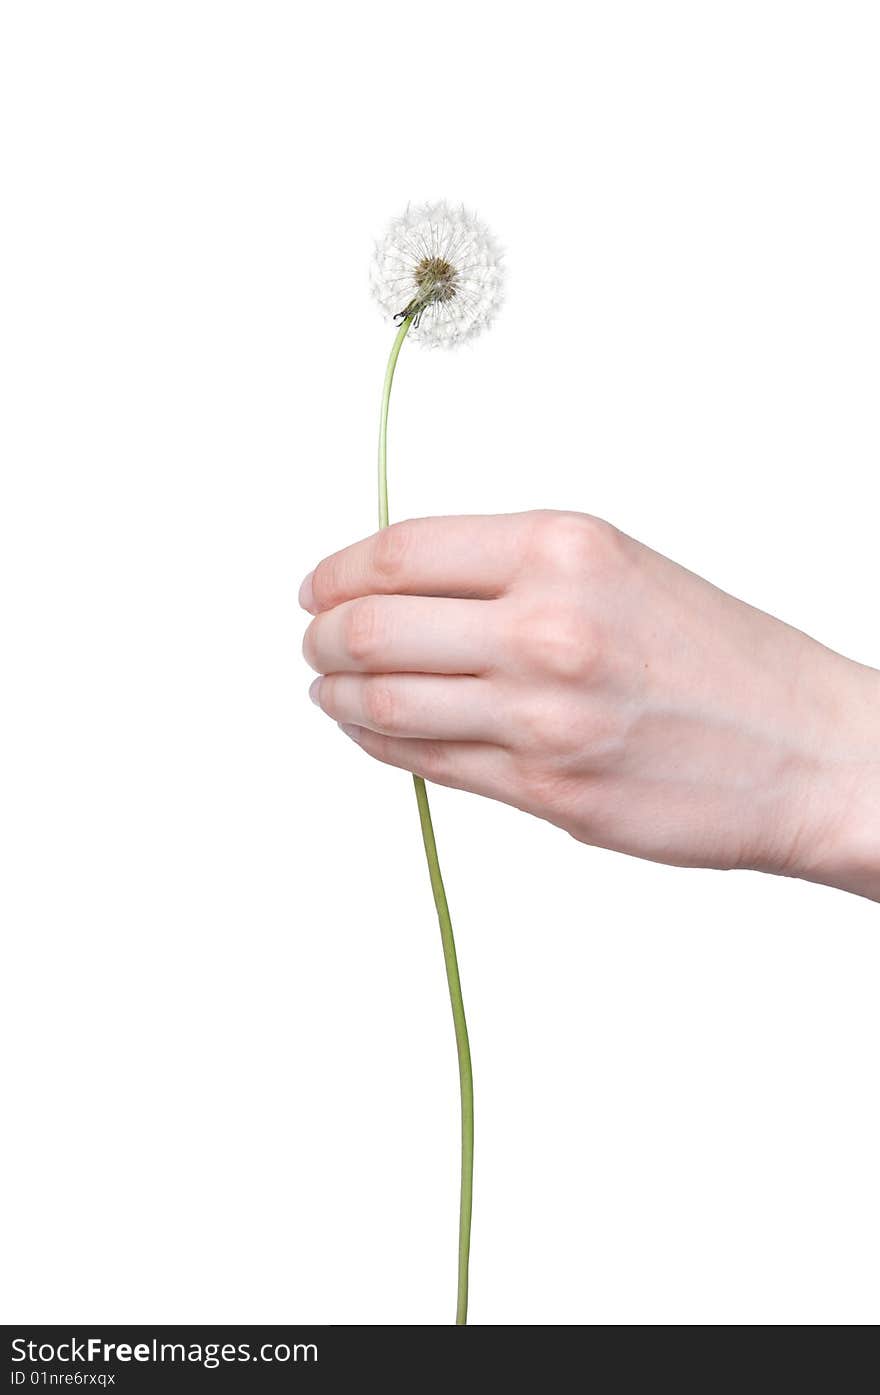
465	1074
383	419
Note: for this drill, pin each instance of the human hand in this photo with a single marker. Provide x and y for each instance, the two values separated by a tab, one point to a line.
547	660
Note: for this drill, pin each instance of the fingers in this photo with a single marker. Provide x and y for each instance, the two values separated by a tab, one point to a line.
404	634
464	557
465	765
411	705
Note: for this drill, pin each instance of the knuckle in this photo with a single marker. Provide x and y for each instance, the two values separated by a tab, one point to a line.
392	551
572	542
545	723
325	583
381	707
557	642
432	761
542	778
360	630
308	646
555	788
328	696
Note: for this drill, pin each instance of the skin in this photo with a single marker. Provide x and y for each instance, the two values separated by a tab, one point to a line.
548	660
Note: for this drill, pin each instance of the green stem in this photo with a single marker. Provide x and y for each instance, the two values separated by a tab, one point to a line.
383	419
465	1074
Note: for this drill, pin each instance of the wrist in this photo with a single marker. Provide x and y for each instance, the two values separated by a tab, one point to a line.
839	843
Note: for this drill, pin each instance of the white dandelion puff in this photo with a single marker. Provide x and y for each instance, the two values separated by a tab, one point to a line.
441	266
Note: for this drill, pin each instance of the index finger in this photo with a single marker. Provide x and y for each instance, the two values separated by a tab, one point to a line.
471	557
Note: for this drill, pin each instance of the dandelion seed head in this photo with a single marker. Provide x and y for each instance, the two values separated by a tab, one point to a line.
443	266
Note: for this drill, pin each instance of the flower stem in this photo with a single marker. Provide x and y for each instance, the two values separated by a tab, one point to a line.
383	419
465	1074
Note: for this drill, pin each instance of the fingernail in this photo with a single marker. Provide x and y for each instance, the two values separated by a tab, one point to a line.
307	595
313	691
352	731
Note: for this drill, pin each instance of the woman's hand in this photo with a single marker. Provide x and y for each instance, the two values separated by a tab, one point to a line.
550	661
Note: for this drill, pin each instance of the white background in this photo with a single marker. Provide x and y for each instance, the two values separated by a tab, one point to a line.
229	1074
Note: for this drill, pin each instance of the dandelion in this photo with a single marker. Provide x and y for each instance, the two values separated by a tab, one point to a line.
437	275
441	267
